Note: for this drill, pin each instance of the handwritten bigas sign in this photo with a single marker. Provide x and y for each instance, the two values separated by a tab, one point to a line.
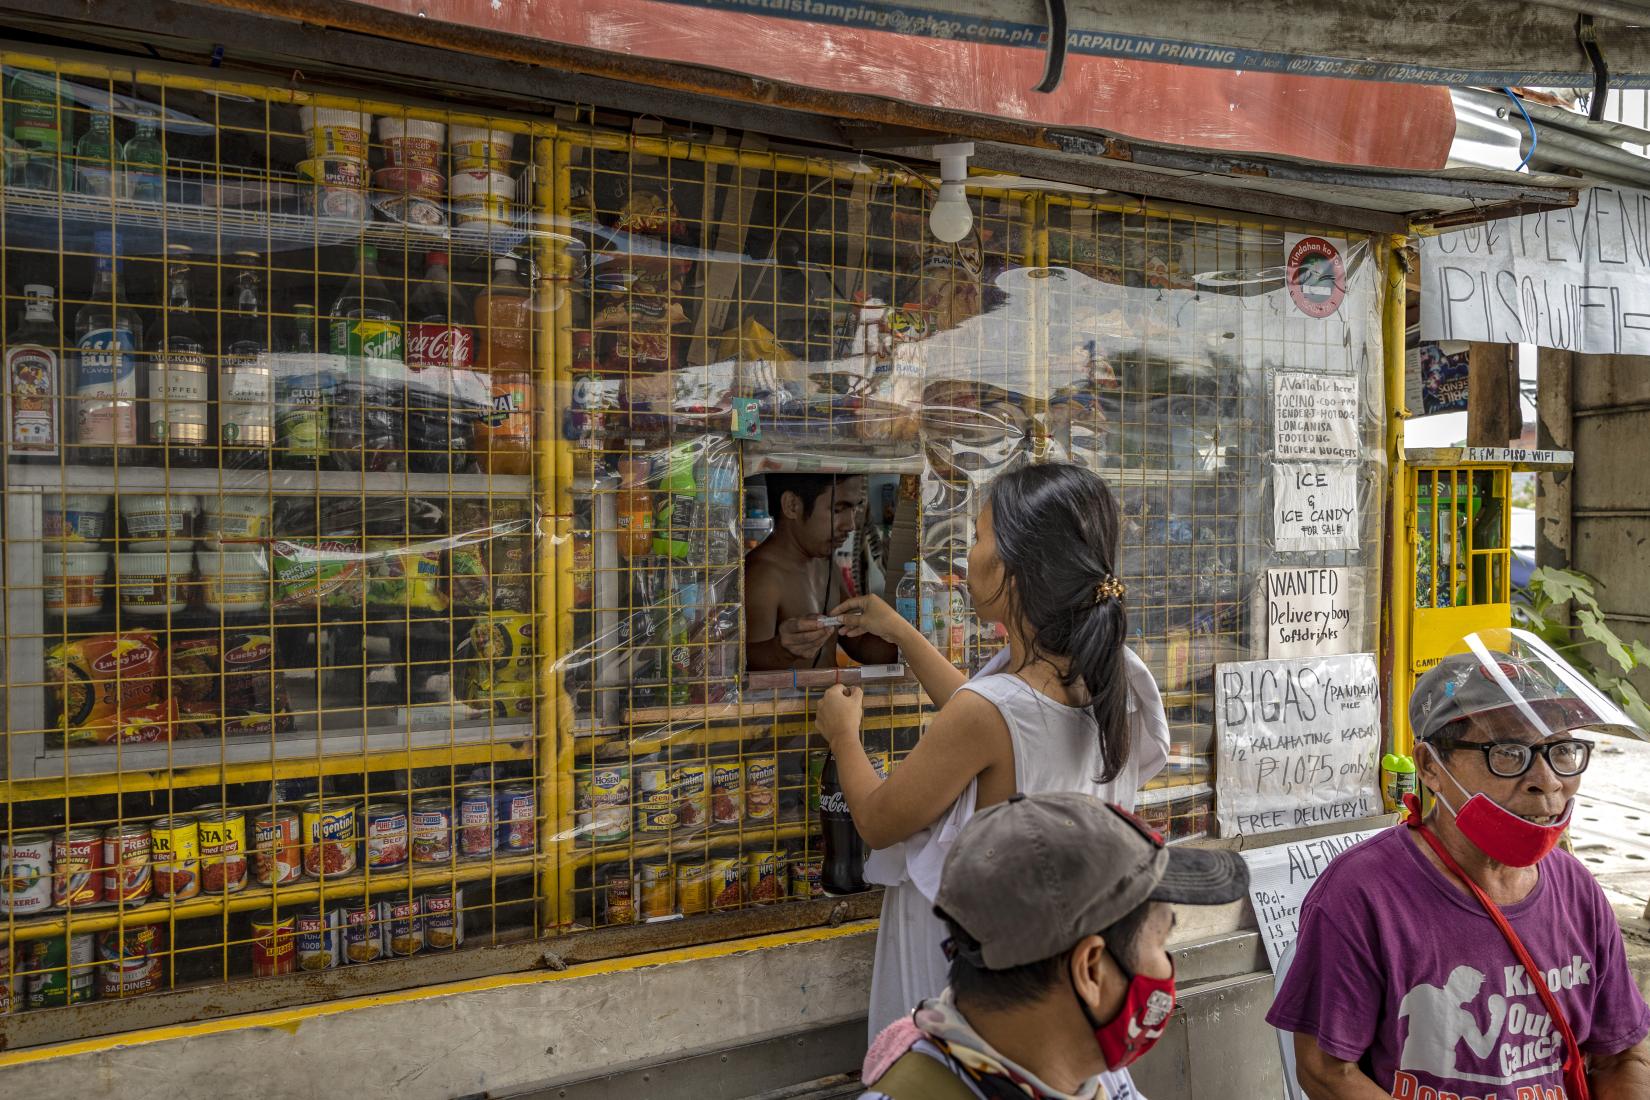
1576	279
1298	742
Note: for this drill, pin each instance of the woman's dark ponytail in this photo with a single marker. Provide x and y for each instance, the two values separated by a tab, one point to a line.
1055	526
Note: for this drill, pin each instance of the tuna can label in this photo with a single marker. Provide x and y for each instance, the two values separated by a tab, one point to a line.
316	940
443	919
367	932
406	926
25	874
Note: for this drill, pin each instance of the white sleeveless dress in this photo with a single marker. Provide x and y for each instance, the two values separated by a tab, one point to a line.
1056	748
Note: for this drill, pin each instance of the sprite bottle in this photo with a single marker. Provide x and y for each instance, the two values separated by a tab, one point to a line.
369	414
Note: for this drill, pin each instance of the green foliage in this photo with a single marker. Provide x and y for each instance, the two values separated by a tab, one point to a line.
1544	600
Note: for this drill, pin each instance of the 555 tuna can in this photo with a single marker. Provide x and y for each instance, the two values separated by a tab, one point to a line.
367	932
443	918
316	939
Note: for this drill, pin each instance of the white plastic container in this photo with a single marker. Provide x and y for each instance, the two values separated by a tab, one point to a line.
231	520
411	142
154	582
75	517
234	580
155	519
482	197
480	147
75	579
330	131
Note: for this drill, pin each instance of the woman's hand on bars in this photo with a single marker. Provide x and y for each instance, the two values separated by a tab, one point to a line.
840	711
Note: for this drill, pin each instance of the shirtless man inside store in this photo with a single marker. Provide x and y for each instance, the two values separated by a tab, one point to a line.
788	580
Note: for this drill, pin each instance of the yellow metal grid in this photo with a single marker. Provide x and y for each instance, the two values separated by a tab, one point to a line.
296	559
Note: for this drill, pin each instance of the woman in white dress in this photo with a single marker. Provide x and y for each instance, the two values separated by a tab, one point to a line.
1064	707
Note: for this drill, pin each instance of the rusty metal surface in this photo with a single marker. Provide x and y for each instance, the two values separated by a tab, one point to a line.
26	1029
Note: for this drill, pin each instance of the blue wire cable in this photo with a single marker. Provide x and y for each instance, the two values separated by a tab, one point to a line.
1534	140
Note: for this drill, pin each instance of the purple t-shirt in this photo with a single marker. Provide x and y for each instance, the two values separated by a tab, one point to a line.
1398	969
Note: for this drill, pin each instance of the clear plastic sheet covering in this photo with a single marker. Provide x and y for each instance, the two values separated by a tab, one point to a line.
772	333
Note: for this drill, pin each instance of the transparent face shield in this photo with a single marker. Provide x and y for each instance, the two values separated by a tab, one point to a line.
1512	688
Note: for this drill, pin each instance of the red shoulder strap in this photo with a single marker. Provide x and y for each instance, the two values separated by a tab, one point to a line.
1575	1070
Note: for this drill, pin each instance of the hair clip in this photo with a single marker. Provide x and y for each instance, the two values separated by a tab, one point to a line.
1109	589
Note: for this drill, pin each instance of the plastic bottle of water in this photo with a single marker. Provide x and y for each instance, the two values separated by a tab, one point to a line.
906	595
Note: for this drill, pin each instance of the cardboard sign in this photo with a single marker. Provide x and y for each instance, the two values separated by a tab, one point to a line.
1309	611
1316	416
1575	279
1279	878
1298	743
1314	506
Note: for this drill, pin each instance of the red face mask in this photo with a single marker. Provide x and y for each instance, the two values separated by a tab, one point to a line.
1147	1006
1501	834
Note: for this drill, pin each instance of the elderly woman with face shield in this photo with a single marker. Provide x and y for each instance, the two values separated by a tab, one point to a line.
1460	954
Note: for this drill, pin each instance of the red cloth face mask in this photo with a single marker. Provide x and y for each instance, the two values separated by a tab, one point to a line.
1501	834
1147	1006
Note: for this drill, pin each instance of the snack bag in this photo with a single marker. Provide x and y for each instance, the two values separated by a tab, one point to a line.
94	679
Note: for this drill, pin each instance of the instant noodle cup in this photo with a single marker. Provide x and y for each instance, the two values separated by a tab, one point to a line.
411	181
75	579
480	147
411	142
335	171
407	209
333	131
234	519
154	582
75	517
234	580
93	680
482	197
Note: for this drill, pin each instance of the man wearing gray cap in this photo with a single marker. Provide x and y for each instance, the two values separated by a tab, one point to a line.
1059	907
1462	956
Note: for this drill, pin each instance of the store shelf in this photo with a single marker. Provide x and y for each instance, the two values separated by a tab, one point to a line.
618	746
68	221
262	897
407	730
1157	796
832	457
691	845
297	482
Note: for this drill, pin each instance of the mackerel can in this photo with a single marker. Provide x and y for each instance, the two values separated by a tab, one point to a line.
475	823
316	940
406	926
223	851
177	854
517	818
329	837
278	857
386	836
367	932
26	873
126	879
432	831
443	918
59	971
273	948
77	868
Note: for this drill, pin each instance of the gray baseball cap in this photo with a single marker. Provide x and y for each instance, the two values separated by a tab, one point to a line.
1029	877
1511	679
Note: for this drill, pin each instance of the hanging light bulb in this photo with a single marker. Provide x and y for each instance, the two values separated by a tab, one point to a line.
950	218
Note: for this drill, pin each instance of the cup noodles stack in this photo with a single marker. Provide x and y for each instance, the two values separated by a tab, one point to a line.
336	169
409	187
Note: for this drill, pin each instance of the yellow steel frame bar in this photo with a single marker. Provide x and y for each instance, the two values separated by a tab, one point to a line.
1401	507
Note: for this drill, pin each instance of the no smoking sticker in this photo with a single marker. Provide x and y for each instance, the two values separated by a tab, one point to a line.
1317	276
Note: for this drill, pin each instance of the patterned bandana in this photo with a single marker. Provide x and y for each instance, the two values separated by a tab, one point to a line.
991	1073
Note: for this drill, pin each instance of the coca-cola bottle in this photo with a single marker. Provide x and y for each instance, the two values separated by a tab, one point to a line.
440	364
844	869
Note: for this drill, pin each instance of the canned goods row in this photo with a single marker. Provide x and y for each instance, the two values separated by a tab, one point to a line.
659	798
186	855
656	889
85	967
317	939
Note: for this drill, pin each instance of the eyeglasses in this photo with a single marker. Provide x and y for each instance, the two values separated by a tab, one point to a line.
1511	759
